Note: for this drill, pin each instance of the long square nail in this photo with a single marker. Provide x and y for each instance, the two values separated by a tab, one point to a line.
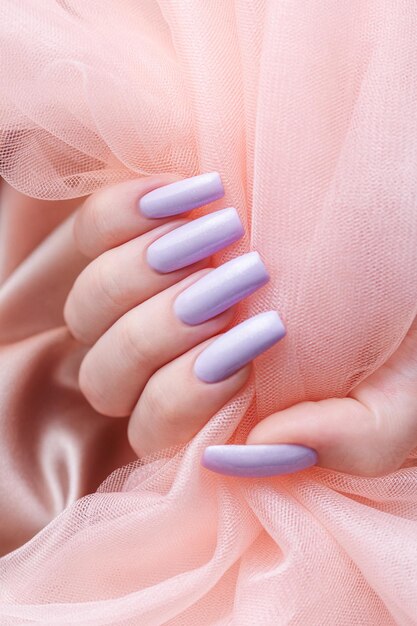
195	240
221	288
238	346
182	196
258	460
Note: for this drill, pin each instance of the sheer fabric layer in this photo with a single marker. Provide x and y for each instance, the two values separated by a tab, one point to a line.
308	111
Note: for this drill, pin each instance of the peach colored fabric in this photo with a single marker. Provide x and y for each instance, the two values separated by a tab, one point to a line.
308	110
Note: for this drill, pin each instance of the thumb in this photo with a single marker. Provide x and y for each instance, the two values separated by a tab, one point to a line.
370	433
346	435
370	436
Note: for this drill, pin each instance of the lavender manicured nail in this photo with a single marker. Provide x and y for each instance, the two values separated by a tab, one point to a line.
222	288
258	460
182	196
234	349
195	240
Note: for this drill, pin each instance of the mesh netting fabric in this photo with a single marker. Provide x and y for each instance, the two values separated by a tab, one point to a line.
308	110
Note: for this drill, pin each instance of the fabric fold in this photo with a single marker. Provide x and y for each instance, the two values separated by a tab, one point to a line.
307	110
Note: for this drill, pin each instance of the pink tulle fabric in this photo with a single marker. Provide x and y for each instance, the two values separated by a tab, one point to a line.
308	109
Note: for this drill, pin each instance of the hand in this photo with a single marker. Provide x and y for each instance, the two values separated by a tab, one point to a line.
144	338
369	433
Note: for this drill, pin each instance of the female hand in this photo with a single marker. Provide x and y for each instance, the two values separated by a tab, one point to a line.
369	433
149	305
143	357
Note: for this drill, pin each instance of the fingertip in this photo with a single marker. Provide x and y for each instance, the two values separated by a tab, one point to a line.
258	461
175	405
345	434
110	216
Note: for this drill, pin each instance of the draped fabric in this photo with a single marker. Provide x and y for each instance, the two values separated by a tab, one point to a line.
309	112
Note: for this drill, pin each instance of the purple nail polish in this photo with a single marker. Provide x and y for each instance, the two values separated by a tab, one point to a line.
234	349
182	196
222	288
258	460
195	240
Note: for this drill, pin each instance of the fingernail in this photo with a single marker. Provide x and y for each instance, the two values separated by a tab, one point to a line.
258	460
234	349
182	195
195	240
222	288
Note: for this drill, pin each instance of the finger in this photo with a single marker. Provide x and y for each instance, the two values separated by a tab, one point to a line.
175	404
110	216
348	436
117	214
115	371
117	281
104	289
344	433
369	433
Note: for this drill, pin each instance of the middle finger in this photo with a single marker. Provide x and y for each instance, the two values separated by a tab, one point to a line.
115	371
125	276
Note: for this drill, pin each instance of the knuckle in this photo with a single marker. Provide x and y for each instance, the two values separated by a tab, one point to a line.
134	343
157	404
90	387
72	319
67	313
108	282
91	229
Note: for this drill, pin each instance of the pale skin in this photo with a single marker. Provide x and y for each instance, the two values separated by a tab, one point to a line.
140	361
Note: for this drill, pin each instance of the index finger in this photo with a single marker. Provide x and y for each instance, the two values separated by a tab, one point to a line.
118	214
110	216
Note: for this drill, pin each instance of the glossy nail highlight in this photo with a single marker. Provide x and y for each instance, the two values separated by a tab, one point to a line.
182	196
220	289
258	460
238	346
195	240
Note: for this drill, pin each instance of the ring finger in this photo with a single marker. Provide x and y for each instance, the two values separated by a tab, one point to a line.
117	368
125	276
